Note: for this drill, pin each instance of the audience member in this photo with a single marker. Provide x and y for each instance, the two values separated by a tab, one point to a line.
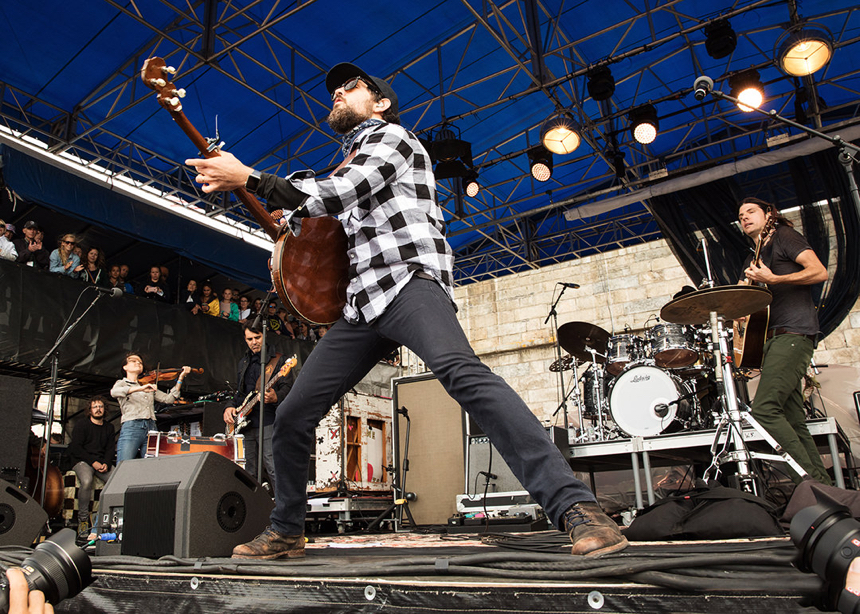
7	248
244	309
229	310
274	323
94	268
137	403
123	275
154	287
113	280
209	301
258	306
191	298
63	259
10	232
91	451
30	249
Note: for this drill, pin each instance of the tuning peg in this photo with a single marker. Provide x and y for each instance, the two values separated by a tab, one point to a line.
180	93
159	83
175	103
170	70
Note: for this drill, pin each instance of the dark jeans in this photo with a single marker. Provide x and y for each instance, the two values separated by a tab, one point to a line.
422	318
778	403
85	473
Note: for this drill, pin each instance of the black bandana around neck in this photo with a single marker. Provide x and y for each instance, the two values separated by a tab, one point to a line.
348	139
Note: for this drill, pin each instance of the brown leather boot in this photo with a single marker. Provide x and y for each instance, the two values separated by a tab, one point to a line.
592	532
271	544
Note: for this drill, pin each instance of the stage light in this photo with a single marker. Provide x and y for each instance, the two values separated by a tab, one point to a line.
747	88
453	156
540	163
644	123
560	134
618	164
601	83
471	183
720	39
803	49
449	169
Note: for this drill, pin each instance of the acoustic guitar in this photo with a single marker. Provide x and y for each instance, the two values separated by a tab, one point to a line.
749	336
252	400
309	269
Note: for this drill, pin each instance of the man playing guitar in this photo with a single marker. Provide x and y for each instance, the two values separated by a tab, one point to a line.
789	267
248	383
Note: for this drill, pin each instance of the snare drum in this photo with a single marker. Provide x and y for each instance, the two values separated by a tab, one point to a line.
672	345
168	444
641	401
622	350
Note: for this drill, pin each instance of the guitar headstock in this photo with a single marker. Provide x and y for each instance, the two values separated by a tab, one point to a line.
289	364
156	75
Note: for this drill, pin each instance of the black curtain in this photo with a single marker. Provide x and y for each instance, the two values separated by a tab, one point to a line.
710	210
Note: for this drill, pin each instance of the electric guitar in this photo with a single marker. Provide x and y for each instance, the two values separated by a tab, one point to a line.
309	270
252	400
749	336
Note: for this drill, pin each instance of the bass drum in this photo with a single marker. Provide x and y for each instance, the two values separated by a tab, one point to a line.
635	395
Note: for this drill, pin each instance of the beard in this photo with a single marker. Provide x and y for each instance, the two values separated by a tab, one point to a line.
345	118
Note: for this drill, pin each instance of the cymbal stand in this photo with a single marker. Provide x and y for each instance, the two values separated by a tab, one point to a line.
733	419
597	388
553	314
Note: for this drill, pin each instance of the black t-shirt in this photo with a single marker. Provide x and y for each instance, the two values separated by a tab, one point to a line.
792	307
92	442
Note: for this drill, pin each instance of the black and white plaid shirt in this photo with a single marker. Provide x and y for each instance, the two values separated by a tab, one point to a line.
385	197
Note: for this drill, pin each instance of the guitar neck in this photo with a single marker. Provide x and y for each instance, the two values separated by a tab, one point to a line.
249	200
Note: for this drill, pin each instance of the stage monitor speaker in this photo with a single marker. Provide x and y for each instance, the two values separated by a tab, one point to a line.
16	414
478	451
435	454
21	517
188	505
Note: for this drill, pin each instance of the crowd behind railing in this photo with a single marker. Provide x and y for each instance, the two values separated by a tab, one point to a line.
88	264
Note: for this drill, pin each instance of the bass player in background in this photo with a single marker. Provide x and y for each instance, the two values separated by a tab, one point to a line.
248	382
788	267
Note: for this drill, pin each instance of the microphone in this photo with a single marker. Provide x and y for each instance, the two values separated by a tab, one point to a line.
661	409
702	87
568	285
114	292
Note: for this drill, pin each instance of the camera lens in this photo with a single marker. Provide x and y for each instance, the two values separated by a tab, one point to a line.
57	567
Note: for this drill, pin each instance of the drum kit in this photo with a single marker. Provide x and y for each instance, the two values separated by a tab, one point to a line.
676	377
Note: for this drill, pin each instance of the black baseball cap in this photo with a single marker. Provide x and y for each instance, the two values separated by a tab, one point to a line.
345	71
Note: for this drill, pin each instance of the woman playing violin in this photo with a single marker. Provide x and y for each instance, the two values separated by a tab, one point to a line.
137	402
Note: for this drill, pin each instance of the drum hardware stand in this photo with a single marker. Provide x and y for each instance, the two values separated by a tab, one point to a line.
573	393
733	419
398	485
554	315
597	387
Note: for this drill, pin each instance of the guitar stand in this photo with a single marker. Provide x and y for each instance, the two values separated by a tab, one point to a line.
733	417
398	486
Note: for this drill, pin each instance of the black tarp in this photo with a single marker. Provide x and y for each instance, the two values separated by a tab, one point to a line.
34	305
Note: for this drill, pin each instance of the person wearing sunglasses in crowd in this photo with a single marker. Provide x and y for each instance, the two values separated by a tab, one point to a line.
7	248
400	292
64	260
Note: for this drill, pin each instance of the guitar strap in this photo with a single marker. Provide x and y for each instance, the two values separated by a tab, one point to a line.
271	367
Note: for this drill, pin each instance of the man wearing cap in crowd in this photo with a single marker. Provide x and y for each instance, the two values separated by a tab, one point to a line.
400	292
30	249
7	249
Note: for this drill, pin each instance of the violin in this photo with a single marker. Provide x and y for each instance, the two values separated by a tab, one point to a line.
163	375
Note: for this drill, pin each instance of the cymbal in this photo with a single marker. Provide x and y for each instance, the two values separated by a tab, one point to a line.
576	337
565	363
731	302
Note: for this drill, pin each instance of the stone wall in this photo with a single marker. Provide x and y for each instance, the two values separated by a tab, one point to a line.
504	318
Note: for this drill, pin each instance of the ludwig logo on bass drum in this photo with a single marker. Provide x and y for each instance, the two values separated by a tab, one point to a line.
639	378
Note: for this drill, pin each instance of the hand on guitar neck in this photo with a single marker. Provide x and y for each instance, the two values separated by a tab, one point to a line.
220	174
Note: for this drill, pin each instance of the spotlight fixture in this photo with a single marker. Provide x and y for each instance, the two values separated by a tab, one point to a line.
644	123
803	49
453	156
720	39
560	134
601	83
618	164
540	163
470	181
746	86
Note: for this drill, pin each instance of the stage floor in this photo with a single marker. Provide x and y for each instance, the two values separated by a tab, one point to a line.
413	572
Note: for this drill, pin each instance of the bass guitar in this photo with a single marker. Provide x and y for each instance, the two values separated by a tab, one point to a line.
252	400
749	335
309	269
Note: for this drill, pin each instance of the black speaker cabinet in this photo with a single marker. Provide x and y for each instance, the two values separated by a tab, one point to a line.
188	505
435	451
21	517
479	451
16	411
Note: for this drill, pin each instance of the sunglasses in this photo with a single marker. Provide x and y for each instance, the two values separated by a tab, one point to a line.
68	242
352	84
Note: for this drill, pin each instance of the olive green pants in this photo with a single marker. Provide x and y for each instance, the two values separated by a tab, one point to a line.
778	404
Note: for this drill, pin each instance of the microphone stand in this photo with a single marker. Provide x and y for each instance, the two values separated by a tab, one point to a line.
54	355
846	150
554	315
